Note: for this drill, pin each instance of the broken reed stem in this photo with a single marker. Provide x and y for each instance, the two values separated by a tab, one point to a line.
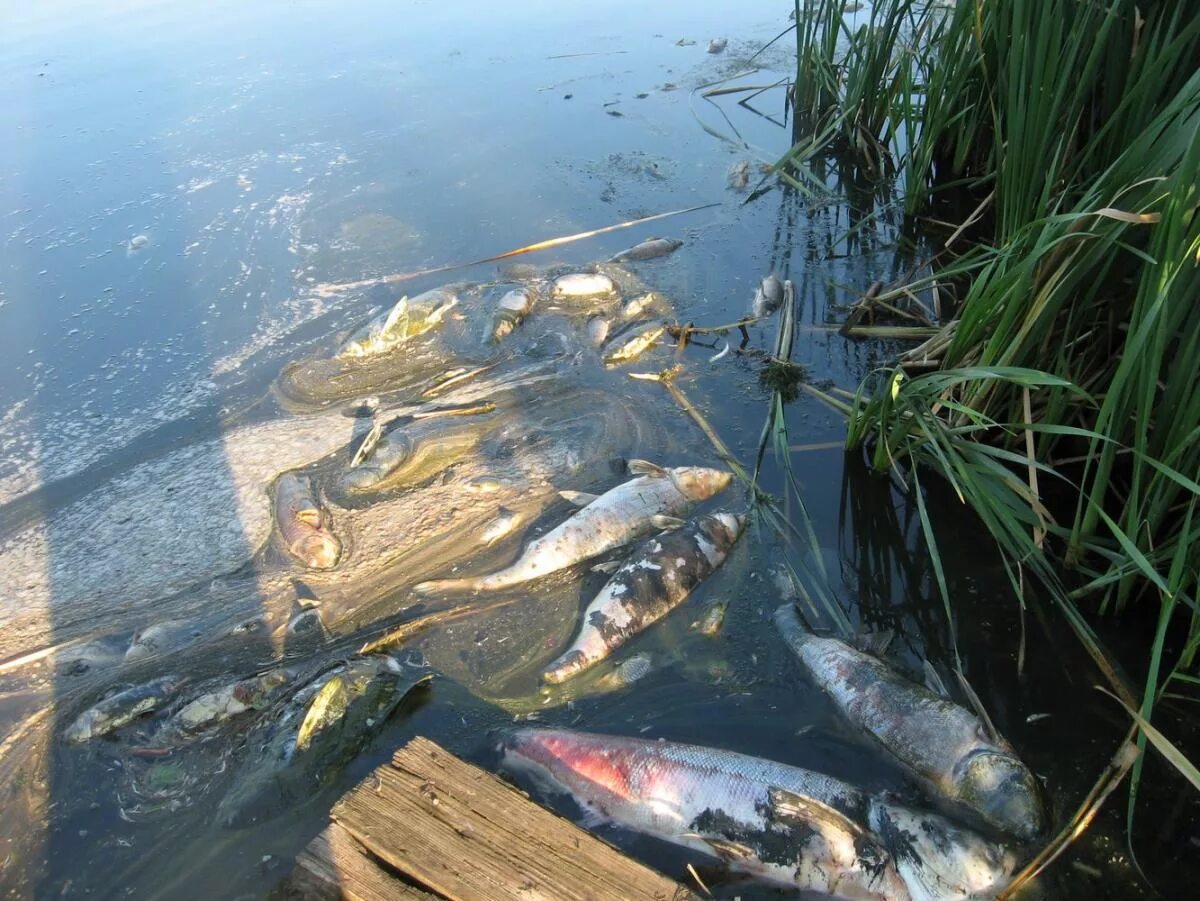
406	630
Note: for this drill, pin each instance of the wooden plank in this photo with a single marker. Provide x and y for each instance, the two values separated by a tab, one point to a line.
469	836
335	866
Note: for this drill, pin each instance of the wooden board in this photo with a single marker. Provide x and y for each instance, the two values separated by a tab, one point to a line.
334	865
467	835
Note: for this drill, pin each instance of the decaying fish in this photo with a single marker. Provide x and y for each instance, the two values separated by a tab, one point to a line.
639	305
652	582
634	347
230	700
511	311
716	45
625	673
410	454
710	623
583	284
768	296
163	638
781	824
597	330
304	524
403	322
615	518
505	523
648	250
945	746
123	707
321	730
738	176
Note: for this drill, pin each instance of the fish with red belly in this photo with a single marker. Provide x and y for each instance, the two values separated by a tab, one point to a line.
657	577
776	823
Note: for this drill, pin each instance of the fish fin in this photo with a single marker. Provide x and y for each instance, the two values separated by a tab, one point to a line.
723	848
578	498
446	585
980	710
792	806
934	682
646	468
397	312
608	567
874	643
666	523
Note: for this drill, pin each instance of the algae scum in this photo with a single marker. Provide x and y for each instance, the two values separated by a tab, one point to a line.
221	480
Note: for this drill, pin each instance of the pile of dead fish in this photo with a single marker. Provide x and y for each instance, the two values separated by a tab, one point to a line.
297	725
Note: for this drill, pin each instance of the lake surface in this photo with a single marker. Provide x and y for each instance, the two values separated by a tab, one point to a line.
176	178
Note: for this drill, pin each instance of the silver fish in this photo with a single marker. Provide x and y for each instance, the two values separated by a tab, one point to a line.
768	297
648	250
945	746
597	330
652	582
162	638
634	347
404	321
615	518
123	707
511	311
639	305
230	700
303	524
583	284
716	45
625	673
778	823
505	523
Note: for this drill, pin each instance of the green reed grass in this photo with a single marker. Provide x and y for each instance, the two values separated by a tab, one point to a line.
1075	125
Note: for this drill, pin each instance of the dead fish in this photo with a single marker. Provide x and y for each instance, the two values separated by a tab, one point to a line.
615	518
483	485
305	527
652	582
648	250
162	638
230	700
404	321
738	176
943	745
511	311
716	45
136	243
597	330
412	453
625	673
123	707
721	803
582	284
634	347
713	619
638	305
768	297
504	524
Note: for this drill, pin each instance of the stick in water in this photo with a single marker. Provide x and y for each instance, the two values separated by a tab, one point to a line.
328	288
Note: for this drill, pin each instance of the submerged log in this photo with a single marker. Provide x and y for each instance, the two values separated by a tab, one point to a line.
462	833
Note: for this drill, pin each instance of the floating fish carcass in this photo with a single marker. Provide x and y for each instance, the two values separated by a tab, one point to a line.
716	45
649	249
511	311
121	708
635	346
597	330
303	523
738	176
406	320
411	453
712	620
619	516
637	306
505	523
578	285
655	579
780	824
230	700
942	744
768	296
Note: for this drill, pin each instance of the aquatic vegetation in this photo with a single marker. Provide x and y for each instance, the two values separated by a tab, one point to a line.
1074	129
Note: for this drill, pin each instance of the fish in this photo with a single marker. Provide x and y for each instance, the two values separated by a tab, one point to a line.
597	330
582	284
648	250
483	485
635	346
713	619
626	673
768	296
511	311
620	515
304	525
505	523
230	700
406	320
783	825
738	176
121	708
716	45
943	745
638	305
655	579
412	453
161	638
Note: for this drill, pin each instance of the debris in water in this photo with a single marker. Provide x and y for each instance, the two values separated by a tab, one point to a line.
716	45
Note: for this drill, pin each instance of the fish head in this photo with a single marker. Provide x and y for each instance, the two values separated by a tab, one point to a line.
940	857
725	528
698	483
570	664
318	550
1003	791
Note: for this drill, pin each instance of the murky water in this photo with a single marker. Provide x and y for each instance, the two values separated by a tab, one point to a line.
176	179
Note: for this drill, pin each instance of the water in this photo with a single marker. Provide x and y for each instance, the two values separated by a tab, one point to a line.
177	177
